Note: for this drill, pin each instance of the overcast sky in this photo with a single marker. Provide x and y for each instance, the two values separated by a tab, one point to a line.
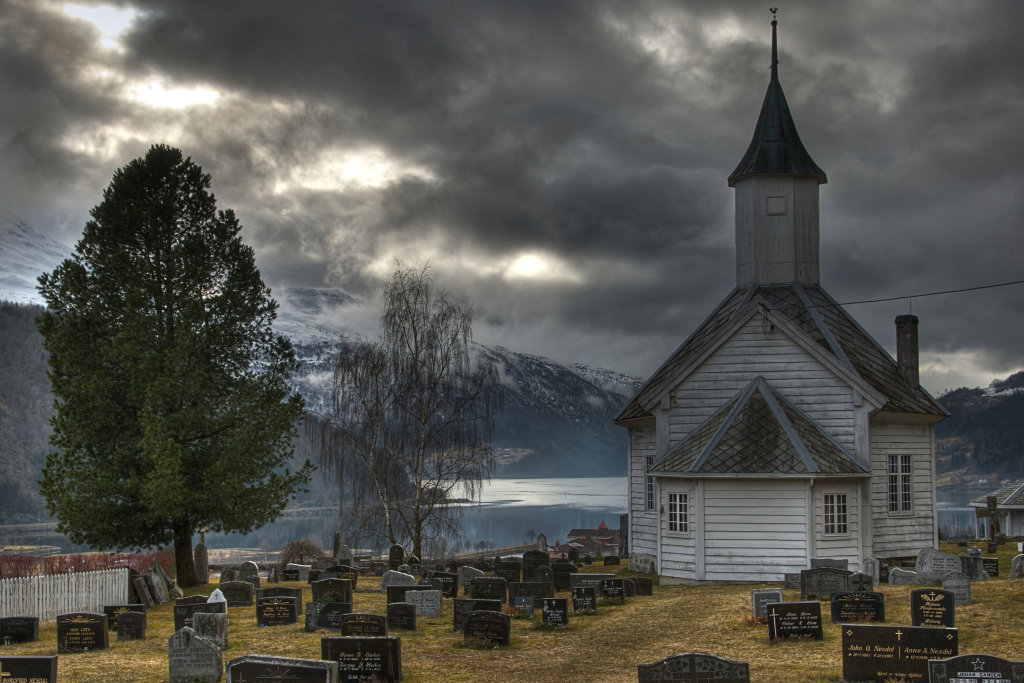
562	165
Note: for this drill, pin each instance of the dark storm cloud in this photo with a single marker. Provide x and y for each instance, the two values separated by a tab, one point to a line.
597	135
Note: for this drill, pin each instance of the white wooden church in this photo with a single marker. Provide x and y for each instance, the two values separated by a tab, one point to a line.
780	431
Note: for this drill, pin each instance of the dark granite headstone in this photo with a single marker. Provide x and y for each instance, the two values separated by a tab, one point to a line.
932	607
141	589
364	624
794	621
447	583
819	562
265	669
533	589
192	659
228	574
114	611
332	590
487	628
28	669
531	560
644	585
523	605
574	556
991	566
563	572
462	607
820	583
555	611
613	590
489	588
186	608
584	599
238	593
592	580
374	658
880	653
861	583
791	581
81	632
131	626
612	560
401	616
975	669
396	556
512	572
760	597
282	592
326	615
290	575
19	630
276	611
694	667
544	574
854	607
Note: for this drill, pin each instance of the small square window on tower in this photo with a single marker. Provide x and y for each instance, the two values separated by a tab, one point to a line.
775	205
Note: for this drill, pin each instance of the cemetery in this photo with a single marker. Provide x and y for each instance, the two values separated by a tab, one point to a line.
764	632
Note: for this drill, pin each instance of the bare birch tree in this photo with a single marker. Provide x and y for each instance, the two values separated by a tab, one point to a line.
412	416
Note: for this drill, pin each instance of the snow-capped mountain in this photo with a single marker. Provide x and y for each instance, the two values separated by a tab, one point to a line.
556	419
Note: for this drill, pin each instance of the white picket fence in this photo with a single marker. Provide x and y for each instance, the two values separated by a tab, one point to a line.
47	596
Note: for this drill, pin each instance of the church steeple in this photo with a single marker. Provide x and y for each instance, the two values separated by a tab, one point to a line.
776	186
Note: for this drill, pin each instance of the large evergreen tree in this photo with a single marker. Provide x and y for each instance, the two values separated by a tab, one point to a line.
172	407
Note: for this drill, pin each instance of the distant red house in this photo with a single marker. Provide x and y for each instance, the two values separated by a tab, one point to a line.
602	540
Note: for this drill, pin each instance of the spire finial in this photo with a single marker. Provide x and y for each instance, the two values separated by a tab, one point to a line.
775	49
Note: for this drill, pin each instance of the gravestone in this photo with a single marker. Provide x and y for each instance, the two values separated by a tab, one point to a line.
238	593
820	583
282	592
861	582
396	556
1017	567
201	561
81	632
217	596
447	583
398	593
326	615
157	587
301	571
186	608
574	556
192	659
345	556
263	668
427	603
466	575
289	574
971	564
759	599
960	585
131	626
523	605
395	578
276	611
933	564
584	599
171	588
488	629
645	585
510	571
694	667
19	630
228	574
544	574
15	669
592	580
489	588
871	567
531	560
364	624
374	658
903	577
980	668
857	607
401	616
629	587
880	653
563	572
212	626
249	571
819	562
588	560
643	562
613	590
142	593
533	589
932	607
331	590
794	621
612	560
990	565
555	612
791	581
461	608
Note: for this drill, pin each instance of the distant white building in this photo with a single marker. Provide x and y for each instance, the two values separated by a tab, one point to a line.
780	430
1009	510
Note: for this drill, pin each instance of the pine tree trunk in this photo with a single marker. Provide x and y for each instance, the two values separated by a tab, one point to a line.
184	563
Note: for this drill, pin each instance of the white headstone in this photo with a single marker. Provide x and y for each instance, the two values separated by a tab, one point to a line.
427	603
395	578
216	596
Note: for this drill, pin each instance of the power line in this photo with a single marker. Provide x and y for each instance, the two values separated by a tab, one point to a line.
921	296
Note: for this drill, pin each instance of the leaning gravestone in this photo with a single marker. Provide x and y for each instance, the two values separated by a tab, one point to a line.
375	658
960	585
364	624
882	653
489	629
157	587
427	603
141	589
276	611
584	599
980	668
131	626
18	630
81	632
192	659
201	561
401	616
932	607
395	578
820	583
555	612
794	621
694	667
259	668
212	626
28	669
857	607
759	599
238	593
461	608
933	565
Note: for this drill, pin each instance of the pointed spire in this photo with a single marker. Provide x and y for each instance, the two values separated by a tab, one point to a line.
776	148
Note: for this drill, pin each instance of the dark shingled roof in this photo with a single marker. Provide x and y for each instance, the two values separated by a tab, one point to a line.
815	313
760	432
1008	496
776	147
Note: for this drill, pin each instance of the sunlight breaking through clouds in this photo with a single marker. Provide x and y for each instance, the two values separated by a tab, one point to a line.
110	21
336	169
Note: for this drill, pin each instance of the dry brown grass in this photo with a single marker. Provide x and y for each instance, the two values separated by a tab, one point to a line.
599	648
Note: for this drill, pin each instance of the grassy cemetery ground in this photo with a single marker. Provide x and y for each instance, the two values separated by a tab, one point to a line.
601	647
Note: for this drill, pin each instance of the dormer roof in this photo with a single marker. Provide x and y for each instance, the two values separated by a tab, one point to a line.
776	148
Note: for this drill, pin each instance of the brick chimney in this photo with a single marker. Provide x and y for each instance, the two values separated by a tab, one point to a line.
906	349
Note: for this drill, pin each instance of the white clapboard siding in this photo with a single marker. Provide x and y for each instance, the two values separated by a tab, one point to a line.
896	534
838	546
754	530
643	531
47	596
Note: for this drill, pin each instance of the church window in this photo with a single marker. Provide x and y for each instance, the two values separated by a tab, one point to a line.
835	513
678	504
650	485
899	483
775	205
